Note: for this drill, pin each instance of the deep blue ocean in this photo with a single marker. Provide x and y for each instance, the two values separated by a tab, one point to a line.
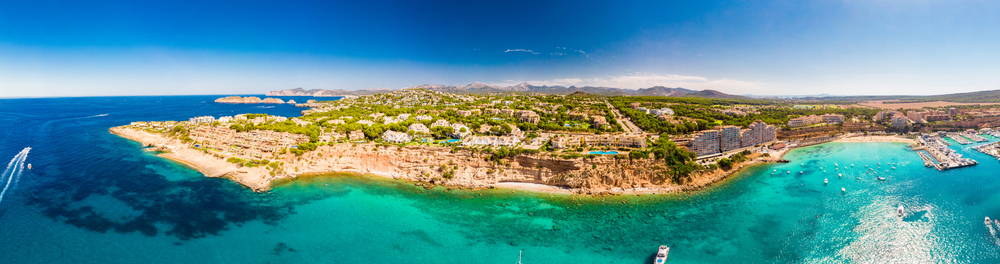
93	197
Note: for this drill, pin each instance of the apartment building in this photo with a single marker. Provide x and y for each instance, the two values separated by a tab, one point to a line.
396	137
705	142
419	128
729	138
566	142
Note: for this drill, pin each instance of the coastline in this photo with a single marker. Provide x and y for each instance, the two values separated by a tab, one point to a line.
536	173
256	179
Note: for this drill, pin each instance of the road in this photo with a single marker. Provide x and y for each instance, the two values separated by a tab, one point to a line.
630	128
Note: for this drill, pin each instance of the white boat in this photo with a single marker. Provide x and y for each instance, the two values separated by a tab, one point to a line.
800	172
835	164
840	175
825	181
987	220
880	178
842	189
899	211
661	254
894	168
29	166
789	172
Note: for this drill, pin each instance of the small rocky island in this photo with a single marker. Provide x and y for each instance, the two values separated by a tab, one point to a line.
248	100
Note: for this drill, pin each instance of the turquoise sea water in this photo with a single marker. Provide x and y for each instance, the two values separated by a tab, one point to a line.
93	197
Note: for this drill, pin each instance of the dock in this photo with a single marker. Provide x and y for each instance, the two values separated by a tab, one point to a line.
992	149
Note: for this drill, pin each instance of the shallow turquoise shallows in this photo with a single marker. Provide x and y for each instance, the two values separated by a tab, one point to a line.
93	197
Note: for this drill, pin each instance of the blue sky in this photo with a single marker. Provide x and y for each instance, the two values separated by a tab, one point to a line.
89	48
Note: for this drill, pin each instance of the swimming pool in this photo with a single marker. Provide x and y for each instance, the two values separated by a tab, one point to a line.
612	152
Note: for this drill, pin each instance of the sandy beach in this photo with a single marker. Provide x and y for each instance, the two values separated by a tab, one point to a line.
535	187
868	139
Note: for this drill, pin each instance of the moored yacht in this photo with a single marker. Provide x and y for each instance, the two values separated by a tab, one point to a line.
825	181
899	210
661	254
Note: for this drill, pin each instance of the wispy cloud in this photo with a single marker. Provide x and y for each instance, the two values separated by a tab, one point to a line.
646	80
574	50
520	50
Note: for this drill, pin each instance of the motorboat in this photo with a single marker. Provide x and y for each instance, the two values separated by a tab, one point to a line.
987	220
899	211
661	254
880	178
825	181
842	189
840	175
801	172
29	166
835	164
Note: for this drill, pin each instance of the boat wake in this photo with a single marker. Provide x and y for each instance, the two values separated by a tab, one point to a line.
993	232
265	107
12	174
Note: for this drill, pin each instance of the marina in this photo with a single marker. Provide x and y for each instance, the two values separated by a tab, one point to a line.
957	138
934	151
992	149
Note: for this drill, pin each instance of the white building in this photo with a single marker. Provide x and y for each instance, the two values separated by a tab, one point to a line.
201	119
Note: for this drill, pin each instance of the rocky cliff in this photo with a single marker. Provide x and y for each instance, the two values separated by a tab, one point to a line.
603	174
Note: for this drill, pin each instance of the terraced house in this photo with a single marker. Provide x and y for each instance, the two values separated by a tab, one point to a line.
254	144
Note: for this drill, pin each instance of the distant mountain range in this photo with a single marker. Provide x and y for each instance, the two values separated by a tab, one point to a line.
478	88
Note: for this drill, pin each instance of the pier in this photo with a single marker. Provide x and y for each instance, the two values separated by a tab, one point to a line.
992	149
957	138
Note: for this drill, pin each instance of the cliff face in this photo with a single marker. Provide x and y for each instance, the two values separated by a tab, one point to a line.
248	100
469	169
